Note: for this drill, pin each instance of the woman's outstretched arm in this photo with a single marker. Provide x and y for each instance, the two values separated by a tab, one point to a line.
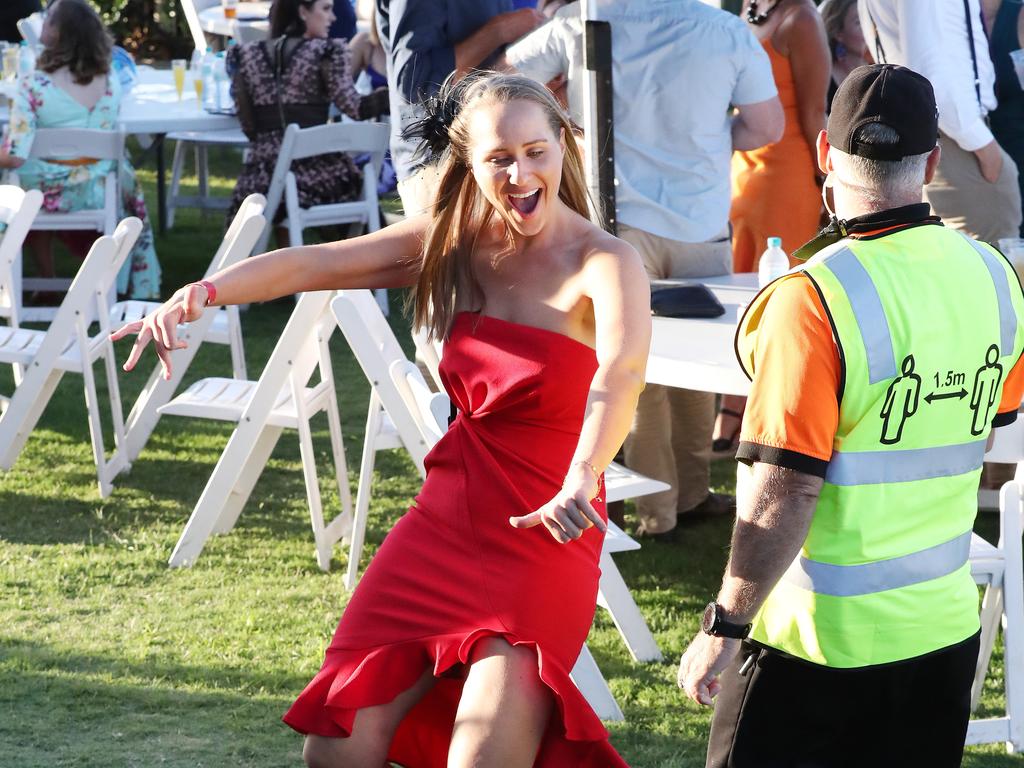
388	258
617	284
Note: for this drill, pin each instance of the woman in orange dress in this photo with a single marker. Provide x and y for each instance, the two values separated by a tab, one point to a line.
775	189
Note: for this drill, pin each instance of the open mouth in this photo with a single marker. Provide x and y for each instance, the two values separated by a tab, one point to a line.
526	202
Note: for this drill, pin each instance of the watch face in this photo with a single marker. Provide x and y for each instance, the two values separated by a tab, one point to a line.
708	621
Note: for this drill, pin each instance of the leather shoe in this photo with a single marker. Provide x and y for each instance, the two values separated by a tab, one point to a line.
713	505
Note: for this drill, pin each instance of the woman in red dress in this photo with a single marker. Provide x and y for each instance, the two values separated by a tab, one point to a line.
456	648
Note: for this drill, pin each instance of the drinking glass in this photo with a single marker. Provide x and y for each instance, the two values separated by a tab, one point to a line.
230	8
178	68
10	62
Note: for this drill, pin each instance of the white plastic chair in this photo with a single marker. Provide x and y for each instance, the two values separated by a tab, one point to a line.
66	346
18	209
300	143
999	569
197	141
31	29
191	9
262	409
71	144
222	326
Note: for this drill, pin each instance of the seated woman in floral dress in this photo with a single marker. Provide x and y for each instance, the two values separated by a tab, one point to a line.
294	78
73	87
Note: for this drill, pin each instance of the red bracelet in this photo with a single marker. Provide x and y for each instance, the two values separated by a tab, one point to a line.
211	291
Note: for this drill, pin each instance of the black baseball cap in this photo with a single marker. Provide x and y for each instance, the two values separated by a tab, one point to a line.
884	93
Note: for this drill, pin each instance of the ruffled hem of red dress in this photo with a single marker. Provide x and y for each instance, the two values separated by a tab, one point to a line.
352	679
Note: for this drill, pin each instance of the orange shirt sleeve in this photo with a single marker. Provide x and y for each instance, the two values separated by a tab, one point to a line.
1013	393
793	409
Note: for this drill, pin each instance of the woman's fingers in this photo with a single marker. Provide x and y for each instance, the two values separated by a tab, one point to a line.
144	337
165	359
576	515
167	325
564	520
126	329
592	515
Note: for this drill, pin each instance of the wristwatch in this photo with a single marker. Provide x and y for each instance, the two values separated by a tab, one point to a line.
715	625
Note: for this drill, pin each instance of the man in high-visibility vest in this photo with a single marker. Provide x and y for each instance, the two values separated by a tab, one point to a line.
846	629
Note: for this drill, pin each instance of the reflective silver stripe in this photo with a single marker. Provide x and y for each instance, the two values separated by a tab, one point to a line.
871	467
1007	316
869	578
868	312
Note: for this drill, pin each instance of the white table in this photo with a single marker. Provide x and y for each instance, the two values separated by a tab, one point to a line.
152	107
699	354
255	16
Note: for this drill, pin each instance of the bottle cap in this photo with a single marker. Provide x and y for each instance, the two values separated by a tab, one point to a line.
774	242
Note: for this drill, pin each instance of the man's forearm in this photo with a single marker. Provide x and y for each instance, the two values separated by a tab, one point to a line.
771	526
477	47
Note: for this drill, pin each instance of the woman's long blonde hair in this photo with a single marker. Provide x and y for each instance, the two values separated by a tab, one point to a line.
459	210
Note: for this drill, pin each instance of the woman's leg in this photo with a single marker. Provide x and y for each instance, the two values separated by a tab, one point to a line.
41	243
372	732
504	709
727	425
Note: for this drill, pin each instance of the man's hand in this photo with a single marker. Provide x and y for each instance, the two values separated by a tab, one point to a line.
515	24
702	663
990	161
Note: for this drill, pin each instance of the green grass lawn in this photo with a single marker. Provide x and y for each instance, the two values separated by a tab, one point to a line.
109	658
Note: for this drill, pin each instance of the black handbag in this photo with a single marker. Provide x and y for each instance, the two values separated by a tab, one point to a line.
690	300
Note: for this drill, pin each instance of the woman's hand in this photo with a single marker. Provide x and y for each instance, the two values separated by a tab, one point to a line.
161	326
570	512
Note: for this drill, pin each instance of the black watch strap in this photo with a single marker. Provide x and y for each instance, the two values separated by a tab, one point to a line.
714	624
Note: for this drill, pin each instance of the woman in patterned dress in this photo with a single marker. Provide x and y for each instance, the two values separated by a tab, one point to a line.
73	87
315	71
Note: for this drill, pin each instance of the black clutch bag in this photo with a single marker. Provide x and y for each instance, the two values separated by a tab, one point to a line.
692	300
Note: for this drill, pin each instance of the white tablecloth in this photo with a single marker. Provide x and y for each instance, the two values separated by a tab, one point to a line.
699	354
152	106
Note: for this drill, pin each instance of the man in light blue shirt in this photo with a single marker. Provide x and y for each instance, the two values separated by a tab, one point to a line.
691	84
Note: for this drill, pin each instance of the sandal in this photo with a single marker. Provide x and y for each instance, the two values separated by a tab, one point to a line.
726	446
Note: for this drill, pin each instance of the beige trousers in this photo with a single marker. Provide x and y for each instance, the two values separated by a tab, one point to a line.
965	201
670	439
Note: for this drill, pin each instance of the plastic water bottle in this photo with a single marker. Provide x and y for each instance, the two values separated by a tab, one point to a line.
26	60
221	97
206	73
773	262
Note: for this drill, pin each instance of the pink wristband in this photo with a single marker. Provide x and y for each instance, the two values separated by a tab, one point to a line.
211	291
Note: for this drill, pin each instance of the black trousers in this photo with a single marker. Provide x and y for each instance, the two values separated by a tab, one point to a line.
787	713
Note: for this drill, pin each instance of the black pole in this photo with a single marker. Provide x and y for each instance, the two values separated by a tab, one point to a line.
597	57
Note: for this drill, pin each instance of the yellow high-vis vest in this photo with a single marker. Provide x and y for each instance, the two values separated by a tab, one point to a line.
929	324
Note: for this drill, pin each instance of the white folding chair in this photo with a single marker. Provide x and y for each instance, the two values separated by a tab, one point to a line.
66	346
999	569
222	326
191	9
300	143
31	29
198	141
18	209
429	410
262	409
73	144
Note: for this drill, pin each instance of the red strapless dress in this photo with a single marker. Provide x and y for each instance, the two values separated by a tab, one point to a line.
453	571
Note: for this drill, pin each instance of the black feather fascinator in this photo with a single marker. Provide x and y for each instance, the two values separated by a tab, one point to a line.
439	112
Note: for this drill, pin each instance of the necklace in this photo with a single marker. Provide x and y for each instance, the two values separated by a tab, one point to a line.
756	18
